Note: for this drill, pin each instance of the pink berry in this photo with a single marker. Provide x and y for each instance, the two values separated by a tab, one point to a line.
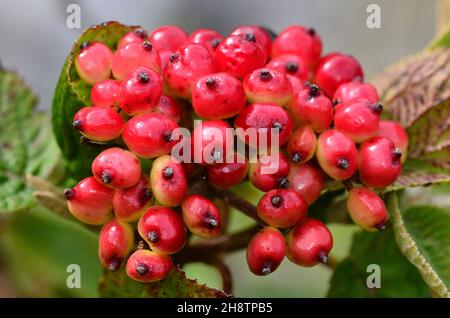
138	35
117	168
396	133
290	64
269	172
140	91
379	162
337	154
367	209
296	84
98	123
306	180
90	201
302	144
149	135
311	108
239	55
106	94
208	37
133	55
218	96
93	62
201	216
355	90
186	66
337	70
148	267
169	107
268	86
282	208
301	41
168	38
261	35
228	174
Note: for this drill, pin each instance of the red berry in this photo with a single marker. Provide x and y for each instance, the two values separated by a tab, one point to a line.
208	37
186	66
238	55
358	119
106	94
149	135
170	108
201	216
90	201
379	162
266	251
138	35
337	154
282	208
261	35
355	90
98	123
140	91
93	62
130	203
296	84
336	70
396	133
168	181
168	38
117	168
264	119
311	108
269	172
267	86
301	41
290	64
163	229
218	96
302	145
133	55
367	209
114	243
147	267
228	174
306	180
309	243
210	141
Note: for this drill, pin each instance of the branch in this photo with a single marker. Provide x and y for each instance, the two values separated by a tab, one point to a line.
224	270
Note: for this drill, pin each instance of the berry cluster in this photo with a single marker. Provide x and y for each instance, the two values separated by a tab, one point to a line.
327	124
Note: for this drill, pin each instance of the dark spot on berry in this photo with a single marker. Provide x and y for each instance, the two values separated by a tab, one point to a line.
343	164
114	264
269	31
397	154
141	33
215	43
313	90
153	237
147	46
336	102
142	269
210	83
377	108
277	125
77	124
283	182
174	57
210	221
250	37
167	173
265	75
291	67
311	31
381	226
267	268
276	200
323	257
164	100
145	195
167	136
297	157
84	45
69	194
106	177
143	78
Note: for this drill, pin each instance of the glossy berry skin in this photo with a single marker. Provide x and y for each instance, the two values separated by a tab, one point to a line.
265	119
117	168
238	55
218	96
93	62
210	141
169	107
130	203
358	119
149	135
282	208
301	41
168	38
138	35
114	243
396	133
307	180
269	172
309	243
337	154
147	267
302	145
163	229
208	37
311	108
128	57
186	66
228	174
367	209
355	90
98	123
379	162
89	201
168	181
337	70
296	84
261	35
106	94
140	91
290	64
201	216
267	86
265	252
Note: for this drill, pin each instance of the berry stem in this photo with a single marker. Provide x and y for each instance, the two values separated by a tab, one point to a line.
224	270
97	144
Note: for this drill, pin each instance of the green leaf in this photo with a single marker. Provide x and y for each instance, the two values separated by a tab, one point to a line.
175	285
71	93
26	143
423	236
